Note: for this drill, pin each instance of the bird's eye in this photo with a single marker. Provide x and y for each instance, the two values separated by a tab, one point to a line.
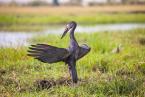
67	26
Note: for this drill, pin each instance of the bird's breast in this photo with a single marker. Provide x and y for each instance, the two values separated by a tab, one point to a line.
74	52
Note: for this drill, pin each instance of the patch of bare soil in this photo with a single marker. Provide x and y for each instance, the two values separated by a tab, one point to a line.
124	71
48	83
142	41
66	9
2	71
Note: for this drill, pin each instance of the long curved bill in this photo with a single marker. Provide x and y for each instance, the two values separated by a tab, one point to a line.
64	33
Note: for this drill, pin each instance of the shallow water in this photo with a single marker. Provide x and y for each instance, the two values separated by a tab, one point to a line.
15	39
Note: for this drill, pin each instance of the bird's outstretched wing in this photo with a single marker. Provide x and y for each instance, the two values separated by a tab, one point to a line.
47	53
83	50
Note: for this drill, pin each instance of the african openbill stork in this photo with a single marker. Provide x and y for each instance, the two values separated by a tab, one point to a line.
51	54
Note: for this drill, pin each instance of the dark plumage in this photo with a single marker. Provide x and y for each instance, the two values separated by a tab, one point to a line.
50	54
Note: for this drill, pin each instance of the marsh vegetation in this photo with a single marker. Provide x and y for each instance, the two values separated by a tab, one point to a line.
101	72
39	18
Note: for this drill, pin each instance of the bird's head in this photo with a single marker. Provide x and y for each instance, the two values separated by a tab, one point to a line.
69	26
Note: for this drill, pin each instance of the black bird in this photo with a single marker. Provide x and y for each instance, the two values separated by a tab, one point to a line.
51	54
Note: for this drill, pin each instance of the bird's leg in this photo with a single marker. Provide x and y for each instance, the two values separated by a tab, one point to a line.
72	71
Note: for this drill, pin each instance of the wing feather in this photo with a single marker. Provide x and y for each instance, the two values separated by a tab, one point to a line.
47	53
83	50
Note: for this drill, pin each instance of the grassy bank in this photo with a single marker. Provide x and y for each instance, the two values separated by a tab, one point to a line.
101	73
39	22
39	18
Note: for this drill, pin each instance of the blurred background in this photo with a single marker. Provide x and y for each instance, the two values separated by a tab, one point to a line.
48	16
68	2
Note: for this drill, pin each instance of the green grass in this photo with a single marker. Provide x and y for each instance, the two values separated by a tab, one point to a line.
102	72
18	22
88	19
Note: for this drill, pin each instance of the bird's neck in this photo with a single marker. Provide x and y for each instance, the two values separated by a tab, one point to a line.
73	41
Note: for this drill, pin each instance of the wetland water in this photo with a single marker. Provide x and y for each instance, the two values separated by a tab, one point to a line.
15	39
